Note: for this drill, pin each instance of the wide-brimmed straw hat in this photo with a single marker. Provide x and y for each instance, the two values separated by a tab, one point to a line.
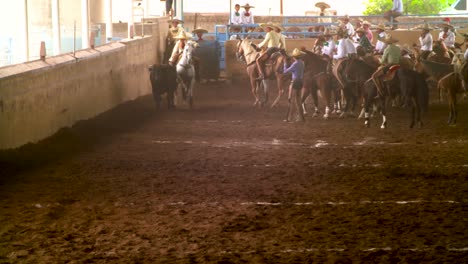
360	30
200	30
175	19
183	35
446	25
247	6
381	27
365	22
268	25
279	26
322	5
390	39
425	27
297	53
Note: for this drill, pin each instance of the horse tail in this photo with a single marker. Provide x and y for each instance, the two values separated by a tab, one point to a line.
423	93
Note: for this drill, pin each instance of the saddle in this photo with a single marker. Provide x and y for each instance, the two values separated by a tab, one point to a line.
390	74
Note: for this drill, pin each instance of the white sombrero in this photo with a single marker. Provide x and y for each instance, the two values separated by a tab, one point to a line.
268	25
425	27
247	6
175	19
381	27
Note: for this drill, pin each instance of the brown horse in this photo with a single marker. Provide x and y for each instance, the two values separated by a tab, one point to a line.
247	52
452	84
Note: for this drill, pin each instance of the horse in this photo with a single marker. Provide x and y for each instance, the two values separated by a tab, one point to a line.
412	85
186	71
352	74
317	78
452	84
247	53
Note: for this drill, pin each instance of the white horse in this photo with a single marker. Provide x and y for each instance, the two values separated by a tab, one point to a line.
186	72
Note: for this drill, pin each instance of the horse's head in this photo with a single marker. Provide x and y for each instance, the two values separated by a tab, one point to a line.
245	52
187	54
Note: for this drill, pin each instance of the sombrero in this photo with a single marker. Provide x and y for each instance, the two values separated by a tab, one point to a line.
279	26
199	29
183	35
425	27
365	22
247	6
268	25
297	53
322	5
390	40
446	25
360	30
381	27
175	19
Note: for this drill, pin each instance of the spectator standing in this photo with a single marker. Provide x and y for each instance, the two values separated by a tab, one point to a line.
396	11
246	16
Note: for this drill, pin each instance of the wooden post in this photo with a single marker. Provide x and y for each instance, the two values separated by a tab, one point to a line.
42	51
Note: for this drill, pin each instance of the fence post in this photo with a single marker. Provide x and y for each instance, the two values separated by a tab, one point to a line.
42	51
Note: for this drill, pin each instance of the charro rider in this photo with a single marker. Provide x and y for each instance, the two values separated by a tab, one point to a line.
447	36
426	41
329	45
174	31
271	42
181	38
391	57
381	35
346	48
364	42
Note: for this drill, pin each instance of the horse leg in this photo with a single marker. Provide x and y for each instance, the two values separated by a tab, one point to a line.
315	99
305	91
278	97
190	87
266	89
413	112
253	86
383	110
327	97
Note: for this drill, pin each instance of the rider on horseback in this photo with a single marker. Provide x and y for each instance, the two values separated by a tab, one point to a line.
391	57
272	41
178	47
173	32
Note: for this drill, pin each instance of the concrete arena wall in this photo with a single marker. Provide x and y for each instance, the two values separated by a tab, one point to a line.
39	98
236	69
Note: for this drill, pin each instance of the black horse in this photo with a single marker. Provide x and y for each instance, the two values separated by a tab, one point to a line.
409	84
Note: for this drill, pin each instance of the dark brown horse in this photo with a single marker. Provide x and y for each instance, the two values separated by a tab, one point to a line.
410	84
353	74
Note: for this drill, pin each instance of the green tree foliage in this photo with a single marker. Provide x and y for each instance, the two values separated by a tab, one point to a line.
376	7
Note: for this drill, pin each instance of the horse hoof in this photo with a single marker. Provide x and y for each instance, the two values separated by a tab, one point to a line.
383	126
326	116
315	114
367	124
343	115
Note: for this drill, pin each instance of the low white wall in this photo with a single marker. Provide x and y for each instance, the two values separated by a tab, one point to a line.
38	98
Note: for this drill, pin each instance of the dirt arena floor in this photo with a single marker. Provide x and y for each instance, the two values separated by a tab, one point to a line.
227	183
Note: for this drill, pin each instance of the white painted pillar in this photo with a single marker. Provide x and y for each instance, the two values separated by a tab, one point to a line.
145	6
26	31
108	10
84	25
55	27
130	19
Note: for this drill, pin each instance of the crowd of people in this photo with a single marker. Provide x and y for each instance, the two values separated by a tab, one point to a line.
333	42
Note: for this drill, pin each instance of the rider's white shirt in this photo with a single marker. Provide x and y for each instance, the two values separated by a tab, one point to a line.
345	47
349	27
247	19
449	40
380	45
426	42
330	49
236	20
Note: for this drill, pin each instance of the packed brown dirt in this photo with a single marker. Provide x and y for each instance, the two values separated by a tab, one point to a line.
229	183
